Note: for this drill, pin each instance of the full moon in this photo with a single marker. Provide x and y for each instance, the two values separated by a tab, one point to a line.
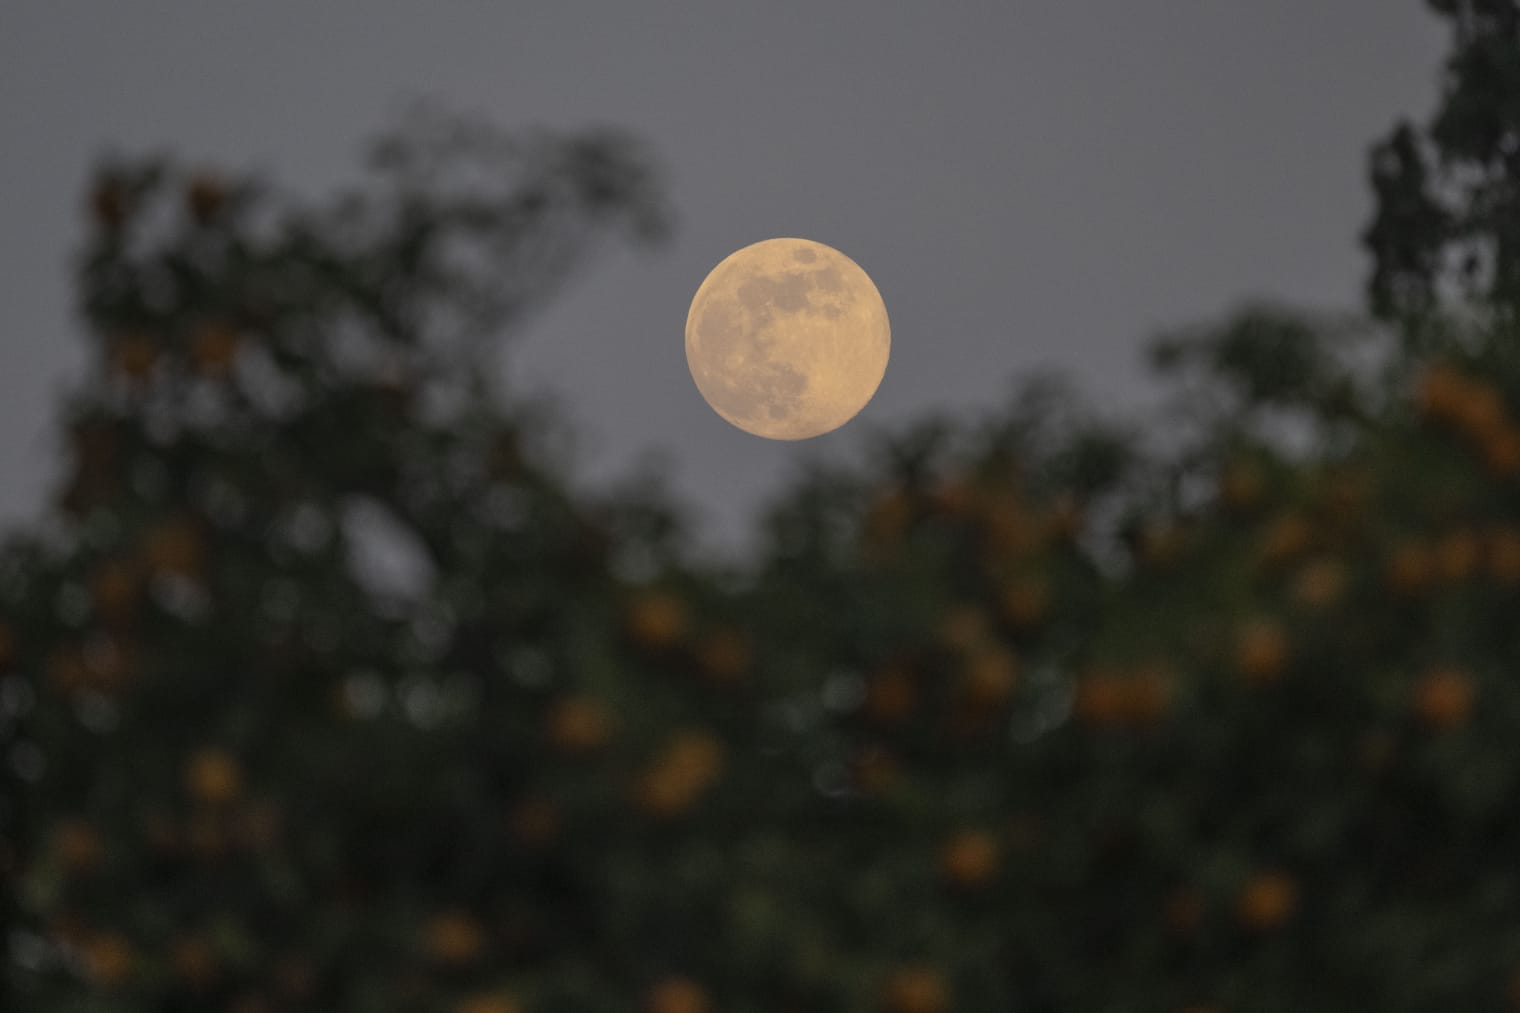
787	339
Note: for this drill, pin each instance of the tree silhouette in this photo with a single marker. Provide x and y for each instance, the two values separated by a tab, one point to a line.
1448	213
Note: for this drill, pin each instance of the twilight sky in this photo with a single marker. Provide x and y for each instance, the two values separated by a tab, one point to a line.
1030	185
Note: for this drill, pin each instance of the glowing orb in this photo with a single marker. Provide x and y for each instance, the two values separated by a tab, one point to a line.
787	339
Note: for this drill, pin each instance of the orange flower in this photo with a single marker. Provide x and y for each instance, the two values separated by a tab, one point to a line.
1444	698
213	777
1100	699
66	670
697	755
917	989
174	548
1161	544
67	929
1410	569
664	793
1441	392
96	446
1501	453
162	836
1504	557
110	960
657	620
109	665
953	497
1261	653
1374	751
680	775
1025	602
677	995
488	1002
1320	583
890	696
78	847
1148	694
963	627
394	389
1267	901
887	519
1457	555
114	588
208	837
1063	521
295	979
875	771
989	676
213	349
1106	698
195	962
1241	486
1184	911
1476	409
970	859
579	724
260	823
453	938
1287	538
535	822
110	204
205	197
1345	495
1481	414
1007	527
134	355
724	657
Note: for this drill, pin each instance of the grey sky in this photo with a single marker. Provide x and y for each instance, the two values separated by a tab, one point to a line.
1030	185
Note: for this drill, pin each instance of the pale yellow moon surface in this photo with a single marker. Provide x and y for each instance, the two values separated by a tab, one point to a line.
787	339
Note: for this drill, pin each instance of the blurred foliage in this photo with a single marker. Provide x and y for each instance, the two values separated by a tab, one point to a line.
1448	205
324	689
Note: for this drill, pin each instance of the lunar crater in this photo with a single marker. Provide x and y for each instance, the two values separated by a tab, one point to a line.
787	339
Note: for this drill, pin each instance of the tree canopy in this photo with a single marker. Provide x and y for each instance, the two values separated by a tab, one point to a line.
325	688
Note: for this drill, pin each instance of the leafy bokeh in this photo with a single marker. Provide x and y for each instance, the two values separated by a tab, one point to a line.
323	686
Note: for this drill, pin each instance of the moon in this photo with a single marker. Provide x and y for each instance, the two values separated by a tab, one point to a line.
787	339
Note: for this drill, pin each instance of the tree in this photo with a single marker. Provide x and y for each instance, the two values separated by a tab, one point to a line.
329	690
1448	210
1226	729
293	664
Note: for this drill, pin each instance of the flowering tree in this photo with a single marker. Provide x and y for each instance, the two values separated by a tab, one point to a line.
324	689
